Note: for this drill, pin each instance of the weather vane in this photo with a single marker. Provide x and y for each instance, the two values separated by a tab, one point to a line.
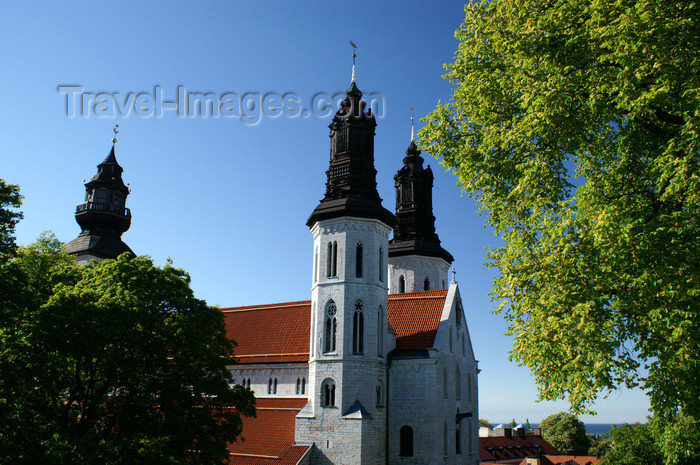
413	133
354	55
116	131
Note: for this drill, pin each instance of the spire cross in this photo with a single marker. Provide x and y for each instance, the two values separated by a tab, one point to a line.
354	55
413	132
453	274
116	131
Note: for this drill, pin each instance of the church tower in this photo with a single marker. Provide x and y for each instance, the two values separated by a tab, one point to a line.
417	262
103	216
346	414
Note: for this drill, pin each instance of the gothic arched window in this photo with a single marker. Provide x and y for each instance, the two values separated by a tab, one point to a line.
458	440
380	331
406	441
274	386
469	432
331	327
298	391
469	386
444	438
381	264
444	382
426	284
458	384
332	260
402	284
358	329
303	386
358	260
269	386
328	393
316	265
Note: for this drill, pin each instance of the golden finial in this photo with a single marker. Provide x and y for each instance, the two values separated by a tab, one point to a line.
354	48
413	132
116	131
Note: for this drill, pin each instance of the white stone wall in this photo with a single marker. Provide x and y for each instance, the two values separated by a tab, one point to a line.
414	269
341	435
344	290
355	438
285	373
427	393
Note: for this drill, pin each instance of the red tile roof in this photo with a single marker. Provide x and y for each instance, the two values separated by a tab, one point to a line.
274	333
268	439
415	317
279	333
496	448
569	459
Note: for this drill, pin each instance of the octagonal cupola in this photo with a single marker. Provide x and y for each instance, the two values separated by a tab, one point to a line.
103	216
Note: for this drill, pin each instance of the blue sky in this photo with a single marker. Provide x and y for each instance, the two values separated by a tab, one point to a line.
227	199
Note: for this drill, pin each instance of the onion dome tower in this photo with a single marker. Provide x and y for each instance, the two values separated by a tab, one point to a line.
103	216
349	300
417	261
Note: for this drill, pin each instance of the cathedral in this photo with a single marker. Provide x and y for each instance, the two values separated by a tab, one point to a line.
377	367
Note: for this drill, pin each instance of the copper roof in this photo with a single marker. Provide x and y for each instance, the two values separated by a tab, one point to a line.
268	439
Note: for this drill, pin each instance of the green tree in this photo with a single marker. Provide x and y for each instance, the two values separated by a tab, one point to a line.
10	200
678	438
631	445
484	422
512	423
575	124
113	363
566	433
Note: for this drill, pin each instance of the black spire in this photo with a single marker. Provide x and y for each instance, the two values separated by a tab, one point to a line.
414	233
103	217
351	189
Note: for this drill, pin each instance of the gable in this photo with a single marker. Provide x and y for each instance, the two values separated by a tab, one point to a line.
415	317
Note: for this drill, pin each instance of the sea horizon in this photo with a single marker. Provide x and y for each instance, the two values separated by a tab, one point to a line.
597	429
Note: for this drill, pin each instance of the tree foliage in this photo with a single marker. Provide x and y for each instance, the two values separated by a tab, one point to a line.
112	363
576	124
10	200
631	445
678	438
484	423
566	433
